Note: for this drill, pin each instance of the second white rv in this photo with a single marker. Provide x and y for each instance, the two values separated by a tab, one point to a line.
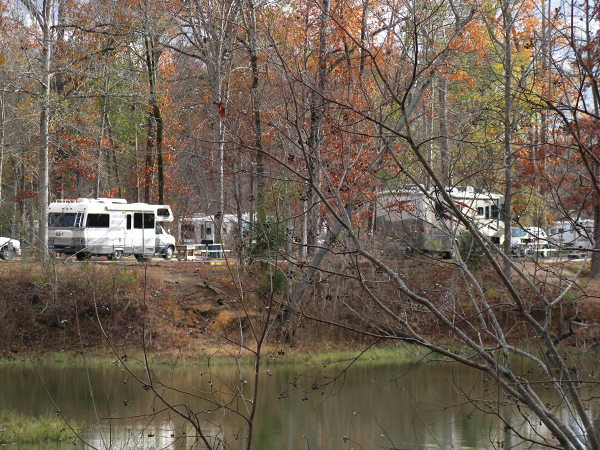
420	219
109	227
575	235
201	228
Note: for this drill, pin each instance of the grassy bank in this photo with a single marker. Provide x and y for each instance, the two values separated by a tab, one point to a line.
385	354
20	429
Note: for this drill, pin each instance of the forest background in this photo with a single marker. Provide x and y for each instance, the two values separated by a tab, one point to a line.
299	113
292	108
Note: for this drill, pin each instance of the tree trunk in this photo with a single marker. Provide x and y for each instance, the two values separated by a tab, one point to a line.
258	146
363	36
149	158
316	133
508	156
220	179
152	57
103	107
43	172
113	154
2	134
445	157
595	269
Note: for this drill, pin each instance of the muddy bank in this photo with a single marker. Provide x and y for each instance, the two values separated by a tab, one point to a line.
73	307
186	308
167	307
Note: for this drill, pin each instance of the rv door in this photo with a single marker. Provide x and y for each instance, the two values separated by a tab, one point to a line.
143	233
128	235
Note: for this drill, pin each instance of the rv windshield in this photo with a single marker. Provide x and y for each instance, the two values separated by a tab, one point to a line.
61	219
519	232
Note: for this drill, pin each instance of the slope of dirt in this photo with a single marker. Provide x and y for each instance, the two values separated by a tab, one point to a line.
187	308
72	306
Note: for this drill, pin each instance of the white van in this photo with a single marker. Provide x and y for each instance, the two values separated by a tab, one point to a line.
109	227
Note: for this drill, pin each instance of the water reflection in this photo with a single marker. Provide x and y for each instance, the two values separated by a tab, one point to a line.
367	406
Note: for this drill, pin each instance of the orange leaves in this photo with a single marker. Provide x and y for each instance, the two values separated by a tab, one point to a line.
25	194
460	76
473	38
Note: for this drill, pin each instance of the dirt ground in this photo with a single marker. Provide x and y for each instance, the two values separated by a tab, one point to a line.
69	305
182	307
195	306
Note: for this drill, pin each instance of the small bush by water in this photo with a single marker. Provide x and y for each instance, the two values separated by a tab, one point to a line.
17	428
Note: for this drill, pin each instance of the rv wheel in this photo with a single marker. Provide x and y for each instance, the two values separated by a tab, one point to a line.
168	253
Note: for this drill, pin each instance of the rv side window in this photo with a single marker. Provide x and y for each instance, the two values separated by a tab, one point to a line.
487	212
129	221
148	220
495	214
162	212
480	211
98	220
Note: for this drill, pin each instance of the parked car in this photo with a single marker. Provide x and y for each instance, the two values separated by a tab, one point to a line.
9	248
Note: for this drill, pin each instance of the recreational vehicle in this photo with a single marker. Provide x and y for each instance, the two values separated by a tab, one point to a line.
109	227
201	229
572	235
420	219
528	240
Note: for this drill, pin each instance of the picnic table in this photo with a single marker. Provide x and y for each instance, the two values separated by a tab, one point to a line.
201	252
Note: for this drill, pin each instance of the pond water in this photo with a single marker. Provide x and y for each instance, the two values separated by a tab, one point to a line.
366	406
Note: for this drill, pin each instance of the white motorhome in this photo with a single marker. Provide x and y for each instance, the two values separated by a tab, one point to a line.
420	218
573	235
109	227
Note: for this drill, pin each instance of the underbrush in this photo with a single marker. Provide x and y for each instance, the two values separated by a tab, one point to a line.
58	307
357	303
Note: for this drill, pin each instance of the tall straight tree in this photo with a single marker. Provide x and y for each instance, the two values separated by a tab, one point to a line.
315	138
250	41
507	25
155	123
43	15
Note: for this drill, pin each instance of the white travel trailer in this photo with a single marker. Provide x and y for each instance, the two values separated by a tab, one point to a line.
573	235
109	227
200	228
421	220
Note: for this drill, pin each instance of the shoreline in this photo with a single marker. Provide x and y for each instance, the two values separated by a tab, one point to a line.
386	353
